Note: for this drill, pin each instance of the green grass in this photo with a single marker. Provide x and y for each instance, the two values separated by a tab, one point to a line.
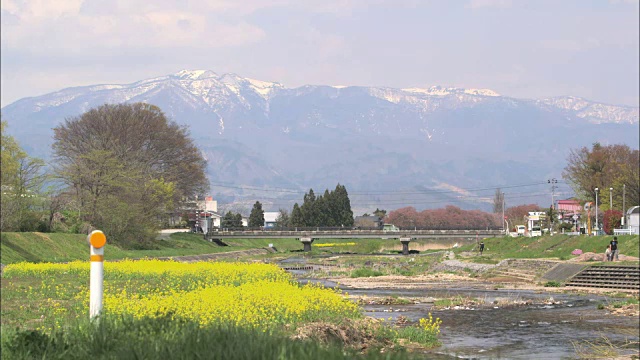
62	247
124	338
556	246
365	272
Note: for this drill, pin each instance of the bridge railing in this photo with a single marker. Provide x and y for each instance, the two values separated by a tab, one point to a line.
374	233
355	228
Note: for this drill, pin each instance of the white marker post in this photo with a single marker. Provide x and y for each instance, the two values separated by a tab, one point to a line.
96	241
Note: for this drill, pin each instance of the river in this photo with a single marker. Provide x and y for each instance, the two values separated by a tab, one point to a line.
547	328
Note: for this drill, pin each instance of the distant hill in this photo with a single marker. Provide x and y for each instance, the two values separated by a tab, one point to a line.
429	143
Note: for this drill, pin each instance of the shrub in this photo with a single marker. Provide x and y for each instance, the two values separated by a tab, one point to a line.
364	272
425	332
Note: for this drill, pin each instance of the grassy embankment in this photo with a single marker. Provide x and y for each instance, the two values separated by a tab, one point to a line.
552	247
61	247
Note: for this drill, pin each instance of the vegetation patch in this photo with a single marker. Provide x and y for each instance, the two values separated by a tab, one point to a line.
365	272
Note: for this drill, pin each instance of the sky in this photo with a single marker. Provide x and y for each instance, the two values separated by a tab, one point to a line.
518	48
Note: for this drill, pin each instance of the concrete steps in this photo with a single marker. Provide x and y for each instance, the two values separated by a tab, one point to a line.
608	276
515	274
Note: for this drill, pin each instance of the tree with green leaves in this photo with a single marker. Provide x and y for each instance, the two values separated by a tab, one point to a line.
380	213
282	221
256	218
297	218
231	221
604	167
21	180
309	210
333	208
127	165
344	214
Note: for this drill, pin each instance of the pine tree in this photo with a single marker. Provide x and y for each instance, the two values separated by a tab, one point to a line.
344	206
256	218
237	221
308	208
296	219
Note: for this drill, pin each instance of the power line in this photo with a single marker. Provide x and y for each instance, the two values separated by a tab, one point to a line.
373	192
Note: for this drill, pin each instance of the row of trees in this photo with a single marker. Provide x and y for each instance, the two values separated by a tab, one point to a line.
450	217
332	209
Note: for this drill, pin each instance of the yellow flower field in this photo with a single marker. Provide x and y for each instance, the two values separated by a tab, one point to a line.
254	295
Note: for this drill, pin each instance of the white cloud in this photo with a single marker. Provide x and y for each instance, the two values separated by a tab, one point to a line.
66	28
477	4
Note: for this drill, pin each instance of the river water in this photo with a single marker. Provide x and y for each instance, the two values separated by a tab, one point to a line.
547	328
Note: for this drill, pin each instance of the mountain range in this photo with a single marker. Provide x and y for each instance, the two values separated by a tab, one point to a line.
422	147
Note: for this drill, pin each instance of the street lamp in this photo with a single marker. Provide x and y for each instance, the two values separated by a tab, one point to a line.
610	199
597	211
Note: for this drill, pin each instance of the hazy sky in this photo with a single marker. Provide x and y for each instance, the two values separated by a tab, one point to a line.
587	48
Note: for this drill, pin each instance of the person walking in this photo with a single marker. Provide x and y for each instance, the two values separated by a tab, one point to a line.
613	245
481	247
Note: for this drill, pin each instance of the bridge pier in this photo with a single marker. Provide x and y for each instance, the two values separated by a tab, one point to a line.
306	241
405	245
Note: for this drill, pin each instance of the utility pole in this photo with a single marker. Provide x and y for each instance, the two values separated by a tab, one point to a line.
624	209
553	183
503	219
610	198
597	211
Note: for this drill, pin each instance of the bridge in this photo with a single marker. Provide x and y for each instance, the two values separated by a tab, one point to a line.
351	234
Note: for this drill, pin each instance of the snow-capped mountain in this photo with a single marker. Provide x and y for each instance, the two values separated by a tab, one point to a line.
262	133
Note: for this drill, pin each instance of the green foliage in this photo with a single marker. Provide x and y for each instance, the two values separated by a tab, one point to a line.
283	220
256	218
21	179
297	219
231	221
126	166
553	284
328	210
556	246
127	338
566	227
604	167
61	247
365	272
425	332
380	213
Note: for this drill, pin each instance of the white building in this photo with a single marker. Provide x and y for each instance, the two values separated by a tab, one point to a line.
270	218
535	218
632	220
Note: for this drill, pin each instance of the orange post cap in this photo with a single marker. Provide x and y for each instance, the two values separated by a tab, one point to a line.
97	239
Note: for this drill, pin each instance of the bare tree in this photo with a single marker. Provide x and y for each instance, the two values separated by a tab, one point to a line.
498	201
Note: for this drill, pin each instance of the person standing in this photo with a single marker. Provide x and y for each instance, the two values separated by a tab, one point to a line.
614	248
481	247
